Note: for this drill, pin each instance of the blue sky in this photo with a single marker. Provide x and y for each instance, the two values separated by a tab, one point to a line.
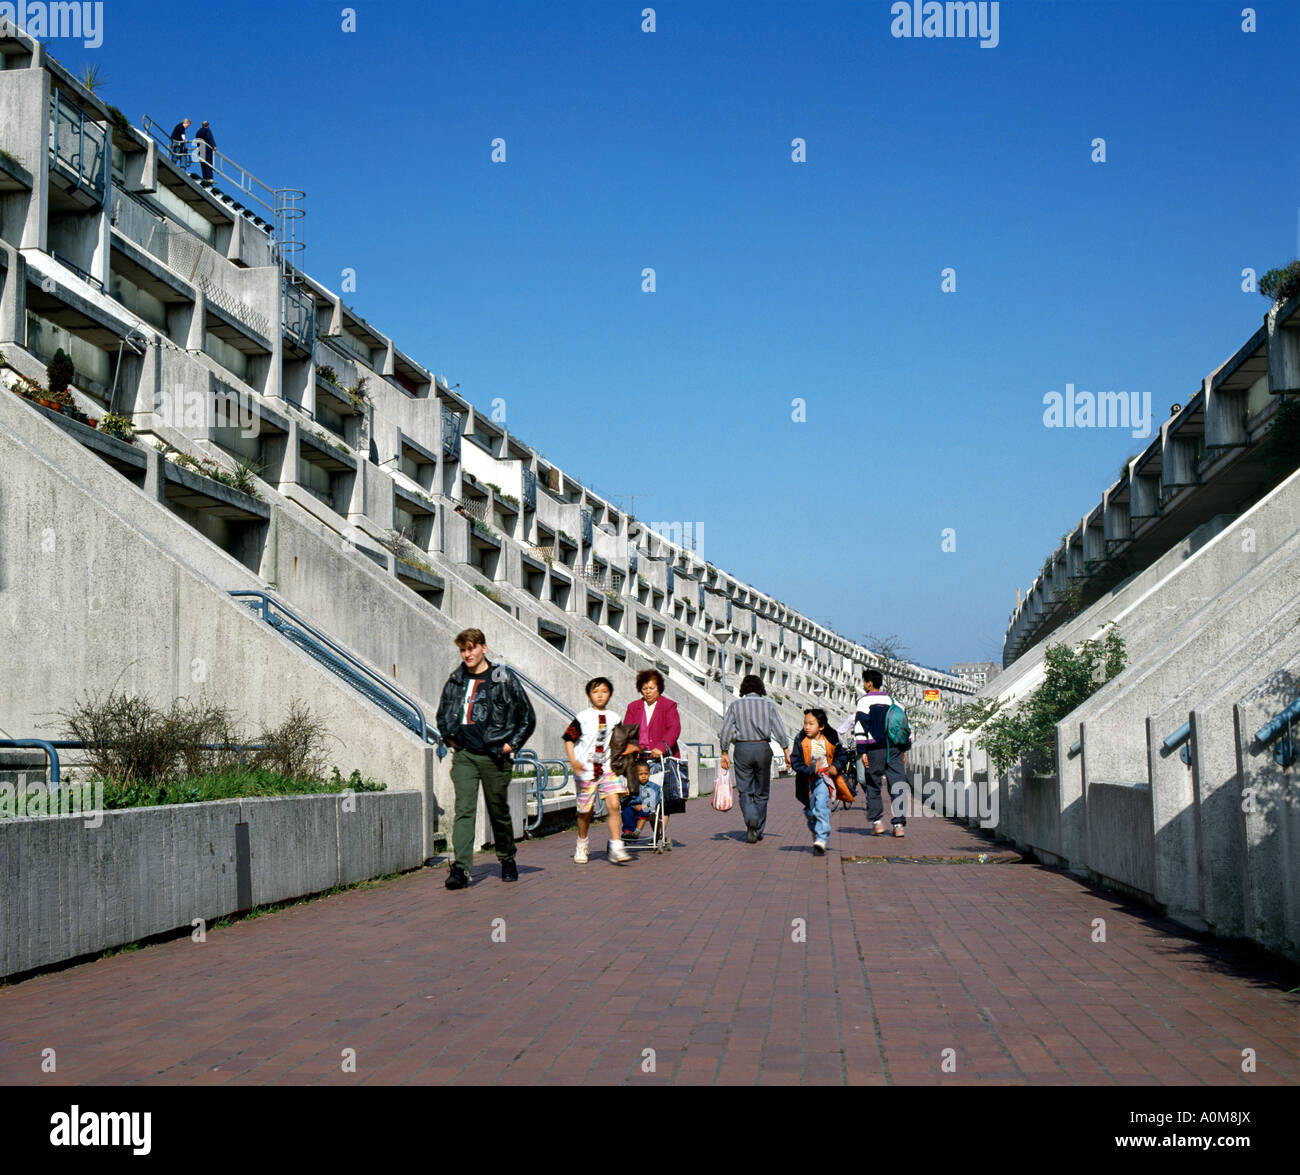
775	280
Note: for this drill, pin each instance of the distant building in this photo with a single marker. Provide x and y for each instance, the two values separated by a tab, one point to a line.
977	673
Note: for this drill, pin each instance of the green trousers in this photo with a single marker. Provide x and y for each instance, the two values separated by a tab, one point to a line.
468	770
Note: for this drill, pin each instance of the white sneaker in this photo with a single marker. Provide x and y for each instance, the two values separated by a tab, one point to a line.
819	847
580	853
617	853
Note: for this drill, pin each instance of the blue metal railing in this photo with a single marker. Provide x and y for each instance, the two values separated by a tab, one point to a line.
530	490
340	662
1179	739
542	781
298	320
46	745
1284	752
51	747
77	142
699	752
545	695
452	424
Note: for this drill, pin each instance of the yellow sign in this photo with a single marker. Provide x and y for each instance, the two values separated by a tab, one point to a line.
932	695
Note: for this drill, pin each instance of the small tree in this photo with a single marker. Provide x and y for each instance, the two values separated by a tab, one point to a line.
889	652
1281	284
59	373
1071	677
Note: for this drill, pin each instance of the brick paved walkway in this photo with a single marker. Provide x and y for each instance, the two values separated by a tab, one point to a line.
695	956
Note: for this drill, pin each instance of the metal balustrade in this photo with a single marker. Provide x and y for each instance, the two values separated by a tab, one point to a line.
342	663
77	143
452	426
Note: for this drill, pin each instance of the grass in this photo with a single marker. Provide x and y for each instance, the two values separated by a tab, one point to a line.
235	783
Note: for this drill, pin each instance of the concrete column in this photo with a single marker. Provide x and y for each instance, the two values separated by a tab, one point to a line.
1173	820
195	336
1282	346
1224	415
13	296
101	246
155	476
148	178
287	475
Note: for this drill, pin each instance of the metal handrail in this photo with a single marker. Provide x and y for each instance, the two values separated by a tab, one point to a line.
542	693
1284	750
1273	727
699	754
541	784
240	177
1180	736
46	745
266	602
52	746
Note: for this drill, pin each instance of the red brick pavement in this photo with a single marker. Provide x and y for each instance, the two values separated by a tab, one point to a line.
734	963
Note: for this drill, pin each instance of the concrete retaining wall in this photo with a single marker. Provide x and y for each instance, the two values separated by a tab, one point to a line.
1121	848
68	888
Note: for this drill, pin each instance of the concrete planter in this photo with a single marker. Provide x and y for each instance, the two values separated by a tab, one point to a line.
72	886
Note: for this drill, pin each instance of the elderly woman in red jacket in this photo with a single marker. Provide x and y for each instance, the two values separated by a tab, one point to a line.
660	724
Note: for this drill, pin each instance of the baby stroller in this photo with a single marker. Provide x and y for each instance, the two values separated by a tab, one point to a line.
666	791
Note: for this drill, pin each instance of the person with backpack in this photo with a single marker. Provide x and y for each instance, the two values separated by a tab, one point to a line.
484	717
887	735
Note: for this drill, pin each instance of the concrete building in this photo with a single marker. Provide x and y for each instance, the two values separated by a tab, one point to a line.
368	496
1175	781
977	673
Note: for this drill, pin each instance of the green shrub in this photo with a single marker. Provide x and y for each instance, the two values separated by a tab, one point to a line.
1281	284
1281	447
1071	677
296	747
117	425
60	373
230	784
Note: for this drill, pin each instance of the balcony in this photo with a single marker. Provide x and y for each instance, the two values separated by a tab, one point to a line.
78	148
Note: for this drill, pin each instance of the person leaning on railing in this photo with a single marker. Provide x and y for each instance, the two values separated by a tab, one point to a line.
752	721
180	149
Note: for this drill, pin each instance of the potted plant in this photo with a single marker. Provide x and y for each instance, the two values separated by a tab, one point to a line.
114	424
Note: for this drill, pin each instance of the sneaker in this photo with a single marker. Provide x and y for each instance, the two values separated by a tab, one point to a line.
668	842
819	848
509	870
618	854
751	837
878	829
898	830
580	853
457	878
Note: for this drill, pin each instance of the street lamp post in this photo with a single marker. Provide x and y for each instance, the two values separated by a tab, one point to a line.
722	636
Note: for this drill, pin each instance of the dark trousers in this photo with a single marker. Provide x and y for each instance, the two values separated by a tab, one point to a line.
889	777
875	806
751	766
468	771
